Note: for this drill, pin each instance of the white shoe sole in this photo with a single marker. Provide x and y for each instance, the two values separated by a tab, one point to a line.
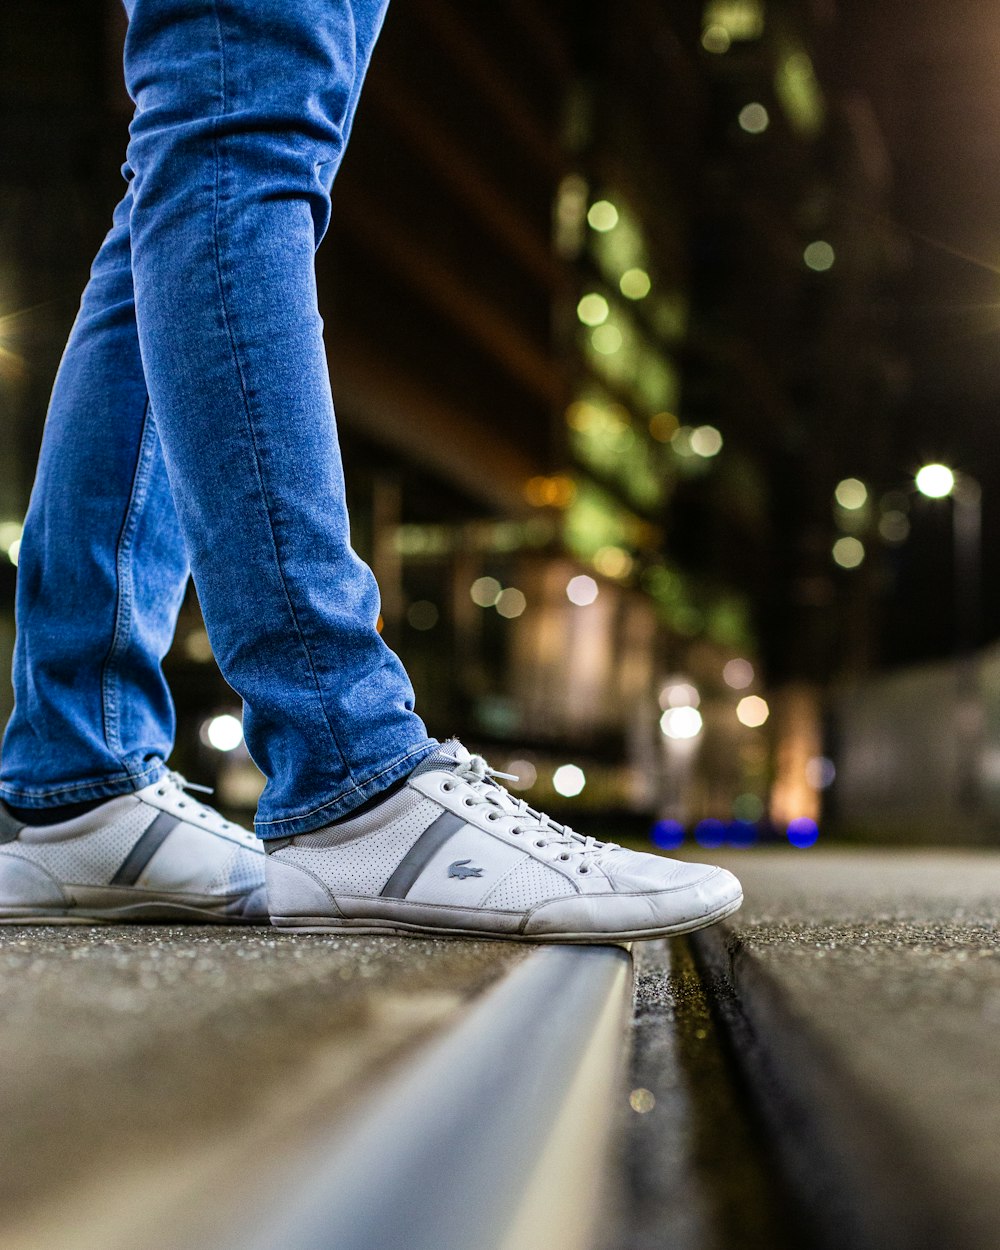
148	911
361	927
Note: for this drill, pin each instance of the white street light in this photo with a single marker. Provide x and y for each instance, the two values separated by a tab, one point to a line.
935	481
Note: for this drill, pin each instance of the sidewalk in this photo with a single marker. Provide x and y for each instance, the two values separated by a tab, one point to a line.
150	1070
820	1073
861	994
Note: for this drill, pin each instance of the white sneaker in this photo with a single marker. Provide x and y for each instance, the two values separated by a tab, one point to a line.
155	855
453	853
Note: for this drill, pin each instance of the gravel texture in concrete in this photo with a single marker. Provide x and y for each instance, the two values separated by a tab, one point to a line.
145	1066
875	976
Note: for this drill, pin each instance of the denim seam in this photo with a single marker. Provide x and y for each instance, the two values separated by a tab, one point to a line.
247	408
110	698
115	779
427	747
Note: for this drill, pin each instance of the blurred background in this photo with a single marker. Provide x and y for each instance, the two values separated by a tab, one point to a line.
664	338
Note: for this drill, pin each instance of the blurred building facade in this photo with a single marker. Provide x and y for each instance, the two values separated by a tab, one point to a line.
602	294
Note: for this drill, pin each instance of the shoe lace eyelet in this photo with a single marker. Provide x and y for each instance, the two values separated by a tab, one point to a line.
469	802
583	871
517	829
492	815
161	793
541	843
447	785
564	857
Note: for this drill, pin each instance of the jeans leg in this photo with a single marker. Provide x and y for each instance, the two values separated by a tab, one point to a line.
102	569
242	107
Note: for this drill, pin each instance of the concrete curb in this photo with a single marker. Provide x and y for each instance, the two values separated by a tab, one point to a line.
861	1182
495	1137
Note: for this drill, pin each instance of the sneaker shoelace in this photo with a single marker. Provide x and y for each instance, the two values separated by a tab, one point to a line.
179	788
481	779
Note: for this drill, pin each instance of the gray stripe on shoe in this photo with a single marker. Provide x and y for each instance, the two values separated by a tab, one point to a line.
144	850
419	855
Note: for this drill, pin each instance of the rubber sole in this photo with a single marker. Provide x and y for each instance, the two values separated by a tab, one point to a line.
336	924
138	913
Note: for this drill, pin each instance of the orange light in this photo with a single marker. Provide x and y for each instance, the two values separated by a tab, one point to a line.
558	491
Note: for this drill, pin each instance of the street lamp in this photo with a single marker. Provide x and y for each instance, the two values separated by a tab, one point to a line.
937	481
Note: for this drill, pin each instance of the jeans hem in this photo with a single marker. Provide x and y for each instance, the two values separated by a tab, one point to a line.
82	791
344	803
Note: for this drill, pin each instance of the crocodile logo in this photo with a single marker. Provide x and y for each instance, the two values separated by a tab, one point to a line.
460	868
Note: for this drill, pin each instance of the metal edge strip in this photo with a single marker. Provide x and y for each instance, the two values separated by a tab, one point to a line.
452	1153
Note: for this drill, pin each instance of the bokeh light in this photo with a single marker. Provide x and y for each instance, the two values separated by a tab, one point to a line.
748	807
935	481
715	38
634	284
819	256
710	833
851	493
568	780
803	832
223	733
613	562
738	674
606	339
602	216
679	693
524	771
593	309
752	711
422	614
485	591
582	590
510	602
668	835
706	441
894	526
848	552
742	834
820	772
663	426
754	118
681	723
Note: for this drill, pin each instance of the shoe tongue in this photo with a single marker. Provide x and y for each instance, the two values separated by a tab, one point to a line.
445	757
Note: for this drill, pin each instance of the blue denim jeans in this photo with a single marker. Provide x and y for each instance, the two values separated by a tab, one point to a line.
191	429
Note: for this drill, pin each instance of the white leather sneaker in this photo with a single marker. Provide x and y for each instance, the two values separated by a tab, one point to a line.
453	853
155	855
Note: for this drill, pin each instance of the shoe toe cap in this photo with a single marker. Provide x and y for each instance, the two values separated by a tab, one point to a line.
638	871
676	899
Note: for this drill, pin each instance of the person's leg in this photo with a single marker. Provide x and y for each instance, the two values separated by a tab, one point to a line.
241	111
91	829
102	569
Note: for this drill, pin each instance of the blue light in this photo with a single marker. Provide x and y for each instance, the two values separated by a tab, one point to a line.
742	833
667	834
802	832
710	834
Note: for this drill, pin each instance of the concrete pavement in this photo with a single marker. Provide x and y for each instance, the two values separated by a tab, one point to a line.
146	1070
820	1072
861	991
